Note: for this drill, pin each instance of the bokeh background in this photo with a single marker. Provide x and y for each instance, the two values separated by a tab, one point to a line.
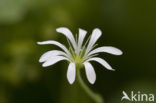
127	24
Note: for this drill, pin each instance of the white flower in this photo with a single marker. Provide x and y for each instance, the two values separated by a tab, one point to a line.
79	53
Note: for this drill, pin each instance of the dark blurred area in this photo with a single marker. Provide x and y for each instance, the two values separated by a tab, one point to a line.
126	24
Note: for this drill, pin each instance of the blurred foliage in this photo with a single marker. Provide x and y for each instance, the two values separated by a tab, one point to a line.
129	25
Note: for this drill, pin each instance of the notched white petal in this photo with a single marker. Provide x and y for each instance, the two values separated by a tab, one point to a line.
107	49
53	60
68	34
54	43
82	34
50	54
102	62
95	36
91	76
71	73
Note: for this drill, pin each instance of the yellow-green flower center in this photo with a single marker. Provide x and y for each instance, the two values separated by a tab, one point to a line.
79	62
78	59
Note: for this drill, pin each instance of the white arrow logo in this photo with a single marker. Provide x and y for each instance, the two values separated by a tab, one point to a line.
125	96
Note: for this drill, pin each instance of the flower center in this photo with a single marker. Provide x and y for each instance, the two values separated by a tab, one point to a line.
78	59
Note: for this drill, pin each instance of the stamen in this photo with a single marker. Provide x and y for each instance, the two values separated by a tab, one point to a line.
87	57
85	45
71	49
94	46
76	38
76	51
91	56
91	49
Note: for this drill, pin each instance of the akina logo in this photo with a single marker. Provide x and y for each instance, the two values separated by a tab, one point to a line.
138	96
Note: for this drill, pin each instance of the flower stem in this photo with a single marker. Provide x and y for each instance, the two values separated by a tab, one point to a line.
96	97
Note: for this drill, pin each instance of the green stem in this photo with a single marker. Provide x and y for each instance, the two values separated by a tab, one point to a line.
96	97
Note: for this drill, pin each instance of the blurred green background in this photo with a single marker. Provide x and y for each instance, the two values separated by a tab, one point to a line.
127	24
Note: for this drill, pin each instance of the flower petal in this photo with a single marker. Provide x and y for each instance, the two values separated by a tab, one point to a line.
91	76
107	49
53	60
102	62
50	54
54	43
95	36
68	34
71	73
82	34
